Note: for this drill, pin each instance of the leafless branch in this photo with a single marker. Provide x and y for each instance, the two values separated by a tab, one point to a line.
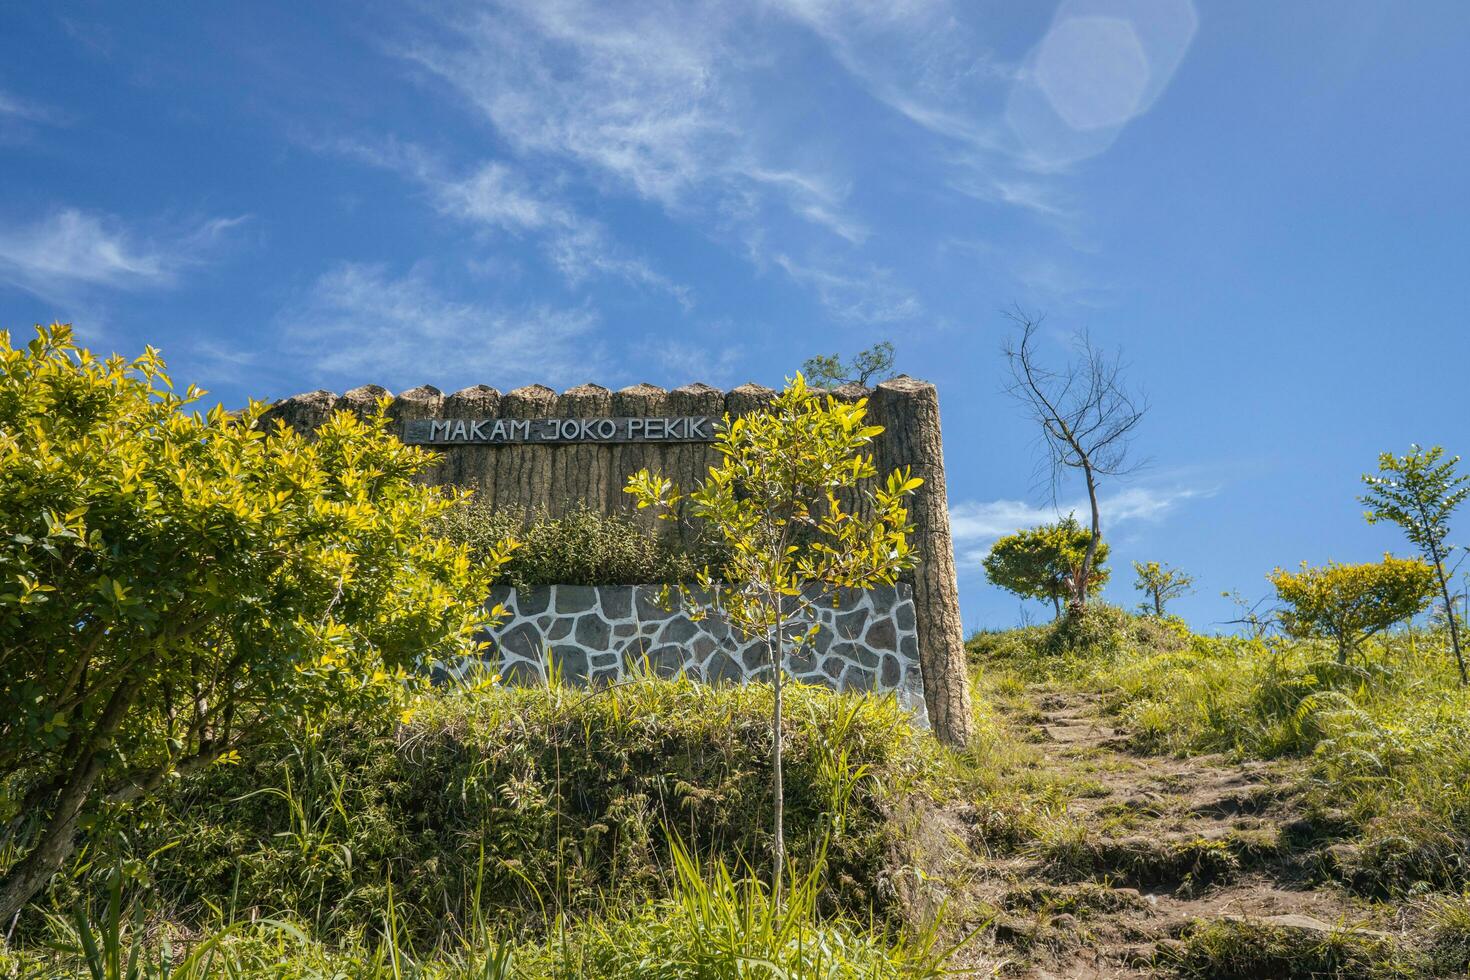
1086	415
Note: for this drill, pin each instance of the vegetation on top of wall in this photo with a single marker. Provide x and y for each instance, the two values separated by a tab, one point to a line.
582	547
866	367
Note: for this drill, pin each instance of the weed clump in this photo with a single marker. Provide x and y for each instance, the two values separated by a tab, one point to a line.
1239	949
1449	947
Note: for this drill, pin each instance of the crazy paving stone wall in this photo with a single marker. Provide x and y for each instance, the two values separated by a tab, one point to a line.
601	634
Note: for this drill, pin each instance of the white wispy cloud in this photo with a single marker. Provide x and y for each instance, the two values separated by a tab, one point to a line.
498	197
669	101
701	362
654	98
580	249
857	295
919	57
976	524
1026	193
983	521
71	246
818	200
495	196
634	92
12	106
71	250
360	324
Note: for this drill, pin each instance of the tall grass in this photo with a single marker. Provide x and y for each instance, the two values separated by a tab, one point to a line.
713	924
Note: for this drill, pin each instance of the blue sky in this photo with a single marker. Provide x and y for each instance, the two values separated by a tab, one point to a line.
1265	205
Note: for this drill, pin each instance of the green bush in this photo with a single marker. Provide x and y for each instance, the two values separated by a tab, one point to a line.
1096	629
1006	645
1103	630
177	585
583	547
516	804
1230	948
1079	642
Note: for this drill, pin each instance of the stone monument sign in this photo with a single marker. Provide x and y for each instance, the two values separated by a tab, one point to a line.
534	448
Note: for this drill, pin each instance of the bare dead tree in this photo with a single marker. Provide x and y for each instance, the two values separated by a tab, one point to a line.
1252	619
1087	418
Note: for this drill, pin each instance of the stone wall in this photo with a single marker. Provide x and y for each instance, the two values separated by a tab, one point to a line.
558	478
600	634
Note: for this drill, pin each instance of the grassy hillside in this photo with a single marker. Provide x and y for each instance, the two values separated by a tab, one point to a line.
1142	802
572	826
1386	736
1284	815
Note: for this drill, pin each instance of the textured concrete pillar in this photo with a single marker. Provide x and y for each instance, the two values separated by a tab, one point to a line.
855	501
748	398
363	400
908	410
523	479
689	463
423	402
627	458
472	466
303	412
580	472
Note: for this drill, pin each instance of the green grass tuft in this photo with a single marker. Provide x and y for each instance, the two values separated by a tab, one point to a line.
1249	950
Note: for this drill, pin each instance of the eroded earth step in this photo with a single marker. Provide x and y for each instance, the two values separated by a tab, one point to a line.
1173	857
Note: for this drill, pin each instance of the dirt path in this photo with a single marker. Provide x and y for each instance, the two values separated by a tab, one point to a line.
1145	850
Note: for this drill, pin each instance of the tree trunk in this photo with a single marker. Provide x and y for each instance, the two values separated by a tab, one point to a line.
56	843
1091	556
778	842
1449	611
1056	605
29	876
1158	605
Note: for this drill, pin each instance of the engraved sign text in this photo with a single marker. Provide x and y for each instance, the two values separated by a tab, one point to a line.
492	432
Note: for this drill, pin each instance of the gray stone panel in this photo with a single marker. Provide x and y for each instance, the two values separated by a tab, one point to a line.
533	601
600	635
